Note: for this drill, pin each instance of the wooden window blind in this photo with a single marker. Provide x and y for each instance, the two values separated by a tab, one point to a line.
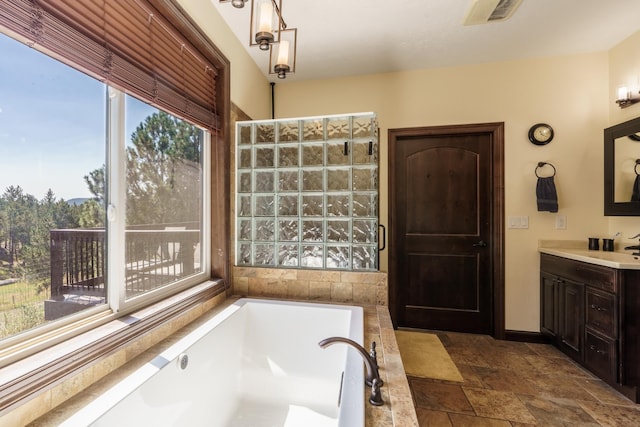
127	44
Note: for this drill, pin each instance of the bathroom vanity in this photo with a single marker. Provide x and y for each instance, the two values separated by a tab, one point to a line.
590	309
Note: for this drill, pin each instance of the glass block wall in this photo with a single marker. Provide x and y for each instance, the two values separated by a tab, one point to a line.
307	192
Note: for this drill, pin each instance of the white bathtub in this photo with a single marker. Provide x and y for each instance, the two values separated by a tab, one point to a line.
257	363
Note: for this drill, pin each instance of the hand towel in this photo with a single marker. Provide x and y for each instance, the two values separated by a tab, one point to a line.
635	196
547	195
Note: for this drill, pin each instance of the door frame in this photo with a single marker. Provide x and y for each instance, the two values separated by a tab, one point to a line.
496	131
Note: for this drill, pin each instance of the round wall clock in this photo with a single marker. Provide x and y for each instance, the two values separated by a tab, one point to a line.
540	134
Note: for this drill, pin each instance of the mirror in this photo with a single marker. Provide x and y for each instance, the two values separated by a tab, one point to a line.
621	168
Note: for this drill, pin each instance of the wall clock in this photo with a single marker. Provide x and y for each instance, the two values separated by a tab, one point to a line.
540	134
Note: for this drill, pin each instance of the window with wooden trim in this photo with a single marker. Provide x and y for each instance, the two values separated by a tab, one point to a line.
112	115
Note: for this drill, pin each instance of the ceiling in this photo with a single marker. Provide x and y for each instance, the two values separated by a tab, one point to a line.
351	37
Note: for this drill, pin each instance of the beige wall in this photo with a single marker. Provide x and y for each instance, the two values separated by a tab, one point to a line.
570	93
574	94
624	69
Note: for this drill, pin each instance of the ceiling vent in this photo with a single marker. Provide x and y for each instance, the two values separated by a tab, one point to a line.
483	11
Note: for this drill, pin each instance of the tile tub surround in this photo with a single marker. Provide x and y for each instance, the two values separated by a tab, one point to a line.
361	288
398	410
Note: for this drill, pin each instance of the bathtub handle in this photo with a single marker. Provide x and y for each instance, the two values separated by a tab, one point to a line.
376	397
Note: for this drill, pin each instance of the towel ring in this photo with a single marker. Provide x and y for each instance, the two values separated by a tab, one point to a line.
635	168
541	164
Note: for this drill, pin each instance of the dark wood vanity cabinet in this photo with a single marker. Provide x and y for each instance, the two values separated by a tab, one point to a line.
592	313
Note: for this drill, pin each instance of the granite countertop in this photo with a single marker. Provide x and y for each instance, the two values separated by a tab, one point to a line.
577	250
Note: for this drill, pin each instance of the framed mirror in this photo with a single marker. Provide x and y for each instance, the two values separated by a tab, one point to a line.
622	169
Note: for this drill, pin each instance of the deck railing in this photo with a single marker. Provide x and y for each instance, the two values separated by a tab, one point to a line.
154	258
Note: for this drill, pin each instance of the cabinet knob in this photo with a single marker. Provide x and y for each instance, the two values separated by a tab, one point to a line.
598	308
594	348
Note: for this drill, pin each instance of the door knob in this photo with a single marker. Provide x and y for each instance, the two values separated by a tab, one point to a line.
480	244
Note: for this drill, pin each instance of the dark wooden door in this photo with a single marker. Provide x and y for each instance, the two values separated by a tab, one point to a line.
445	208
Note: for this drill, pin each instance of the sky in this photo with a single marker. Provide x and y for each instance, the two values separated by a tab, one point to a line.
52	123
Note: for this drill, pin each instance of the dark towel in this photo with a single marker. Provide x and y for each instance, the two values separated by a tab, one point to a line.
635	196
546	193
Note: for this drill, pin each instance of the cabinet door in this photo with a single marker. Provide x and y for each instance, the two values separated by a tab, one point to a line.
549	304
571	318
600	356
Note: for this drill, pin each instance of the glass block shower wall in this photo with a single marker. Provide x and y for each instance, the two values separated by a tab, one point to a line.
307	192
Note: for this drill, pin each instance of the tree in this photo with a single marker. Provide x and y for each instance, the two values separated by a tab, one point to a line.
91	214
18	219
96	183
163	169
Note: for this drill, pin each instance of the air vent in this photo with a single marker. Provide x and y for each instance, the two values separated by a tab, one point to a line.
483	11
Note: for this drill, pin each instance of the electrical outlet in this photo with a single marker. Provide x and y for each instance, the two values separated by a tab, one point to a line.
561	222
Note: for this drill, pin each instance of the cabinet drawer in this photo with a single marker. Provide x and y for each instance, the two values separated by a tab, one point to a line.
604	278
600	356
601	312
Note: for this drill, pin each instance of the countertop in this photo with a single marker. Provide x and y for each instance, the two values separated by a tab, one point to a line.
577	250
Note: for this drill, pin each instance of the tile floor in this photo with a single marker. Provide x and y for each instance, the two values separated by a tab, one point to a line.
510	383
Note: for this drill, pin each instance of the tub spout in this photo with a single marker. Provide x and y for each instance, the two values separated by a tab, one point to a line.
373	379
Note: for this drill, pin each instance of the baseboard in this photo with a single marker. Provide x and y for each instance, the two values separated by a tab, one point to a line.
524	336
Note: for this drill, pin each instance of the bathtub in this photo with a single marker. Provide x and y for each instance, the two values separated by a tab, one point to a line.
256	363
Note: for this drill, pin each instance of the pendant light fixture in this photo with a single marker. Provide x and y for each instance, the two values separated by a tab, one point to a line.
268	31
235	3
265	23
282	57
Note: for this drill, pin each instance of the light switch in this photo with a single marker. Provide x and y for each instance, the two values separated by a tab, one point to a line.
561	222
518	221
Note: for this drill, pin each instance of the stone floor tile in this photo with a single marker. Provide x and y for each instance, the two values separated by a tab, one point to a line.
613	415
470	376
461	420
546	350
518	385
498	404
504	380
439	396
557	366
558	412
429	418
604	393
558	386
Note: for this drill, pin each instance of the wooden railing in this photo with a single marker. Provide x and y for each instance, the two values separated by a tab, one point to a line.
154	258
77	261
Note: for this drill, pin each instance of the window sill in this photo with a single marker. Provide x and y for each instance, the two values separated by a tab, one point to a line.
34	385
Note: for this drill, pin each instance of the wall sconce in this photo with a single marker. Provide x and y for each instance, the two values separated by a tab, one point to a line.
235	3
266	21
627	97
282	57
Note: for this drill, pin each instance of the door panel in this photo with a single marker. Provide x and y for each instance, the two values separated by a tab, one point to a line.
442	282
443	229
432	176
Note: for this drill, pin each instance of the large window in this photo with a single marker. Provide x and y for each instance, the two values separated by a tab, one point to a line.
101	195
52	136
